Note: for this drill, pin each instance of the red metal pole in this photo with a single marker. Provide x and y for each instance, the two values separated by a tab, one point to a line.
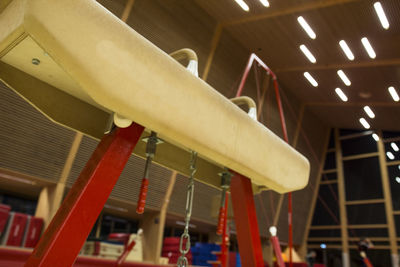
246	221
68	230
224	248
277	250
128	248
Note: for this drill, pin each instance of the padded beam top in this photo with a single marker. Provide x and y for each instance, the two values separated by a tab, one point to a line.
92	64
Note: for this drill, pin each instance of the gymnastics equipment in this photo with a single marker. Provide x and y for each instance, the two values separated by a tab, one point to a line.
85	69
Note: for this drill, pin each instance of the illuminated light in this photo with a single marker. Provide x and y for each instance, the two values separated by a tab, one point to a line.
307	53
376	137
346	49
310	79
398	167
369	112
184	224
394	94
115	208
243	5
17	179
381	15
398	179
306	27
394	146
323	246
390	155
340	93
368	47
365	123
265	3
344	78
273	230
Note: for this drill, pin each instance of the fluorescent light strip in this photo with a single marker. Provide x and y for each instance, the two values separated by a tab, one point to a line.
394	94
346	49
398	179
381	15
306	27
243	5
394	146
115	208
369	112
390	155
17	179
344	78
307	53
340	93
265	3
376	137
365	123
310	79
368	47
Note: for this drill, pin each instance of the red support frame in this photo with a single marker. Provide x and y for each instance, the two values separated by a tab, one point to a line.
68	230
253	57
244	212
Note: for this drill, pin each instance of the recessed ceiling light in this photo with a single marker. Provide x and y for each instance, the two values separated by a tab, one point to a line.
398	179
375	136
17	179
398	167
346	49
369	112
340	93
265	3
365	123
243	5
308	54
368	47
390	155
115	208
306	27
393	93
394	146
344	77
310	79
381	15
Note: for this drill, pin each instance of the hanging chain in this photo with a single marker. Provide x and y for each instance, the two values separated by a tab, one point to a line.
184	249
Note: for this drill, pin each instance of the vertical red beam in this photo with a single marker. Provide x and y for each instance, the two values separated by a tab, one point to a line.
246	221
224	248
67	232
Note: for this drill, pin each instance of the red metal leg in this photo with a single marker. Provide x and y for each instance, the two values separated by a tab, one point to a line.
246	221
74	220
277	250
128	248
225	236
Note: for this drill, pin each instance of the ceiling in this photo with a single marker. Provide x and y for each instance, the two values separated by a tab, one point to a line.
275	35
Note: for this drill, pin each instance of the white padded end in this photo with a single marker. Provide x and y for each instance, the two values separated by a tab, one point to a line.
193	67
253	113
121	122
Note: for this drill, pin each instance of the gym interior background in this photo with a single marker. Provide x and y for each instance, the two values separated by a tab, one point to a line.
354	184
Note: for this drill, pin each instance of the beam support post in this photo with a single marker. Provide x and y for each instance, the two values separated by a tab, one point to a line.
246	221
75	218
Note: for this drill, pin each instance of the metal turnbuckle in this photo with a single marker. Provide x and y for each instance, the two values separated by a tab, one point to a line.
184	243
152	141
225	183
